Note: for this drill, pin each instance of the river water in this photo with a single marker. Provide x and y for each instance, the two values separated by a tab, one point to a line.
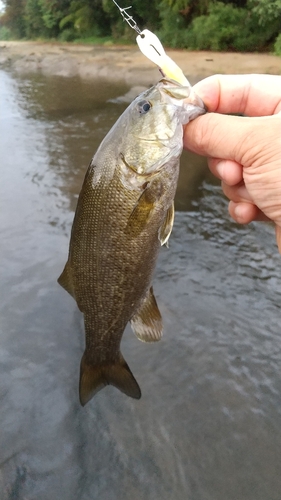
208	426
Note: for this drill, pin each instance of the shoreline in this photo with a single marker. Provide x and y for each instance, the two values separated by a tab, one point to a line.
125	63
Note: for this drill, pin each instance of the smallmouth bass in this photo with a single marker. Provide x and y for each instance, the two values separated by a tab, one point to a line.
124	214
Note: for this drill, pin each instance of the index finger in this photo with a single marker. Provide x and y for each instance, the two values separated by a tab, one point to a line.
251	95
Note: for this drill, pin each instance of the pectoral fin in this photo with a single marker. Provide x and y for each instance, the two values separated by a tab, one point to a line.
143	208
167	226
65	280
147	322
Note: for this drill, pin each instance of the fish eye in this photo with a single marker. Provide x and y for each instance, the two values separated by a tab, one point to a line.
144	107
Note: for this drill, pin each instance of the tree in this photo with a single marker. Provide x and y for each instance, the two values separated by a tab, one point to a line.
266	10
13	17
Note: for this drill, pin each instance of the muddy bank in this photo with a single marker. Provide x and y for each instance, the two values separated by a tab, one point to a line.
123	63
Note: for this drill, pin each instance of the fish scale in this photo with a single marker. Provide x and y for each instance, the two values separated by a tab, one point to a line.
124	213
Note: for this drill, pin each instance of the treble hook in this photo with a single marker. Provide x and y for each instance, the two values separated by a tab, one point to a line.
131	22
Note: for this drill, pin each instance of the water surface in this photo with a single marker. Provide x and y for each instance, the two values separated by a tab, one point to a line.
208	424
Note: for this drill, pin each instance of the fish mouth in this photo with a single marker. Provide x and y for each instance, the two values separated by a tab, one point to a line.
183	93
196	101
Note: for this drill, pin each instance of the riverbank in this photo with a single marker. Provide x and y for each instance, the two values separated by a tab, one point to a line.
125	63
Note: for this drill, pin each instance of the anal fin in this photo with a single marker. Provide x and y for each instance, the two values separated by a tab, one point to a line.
147	322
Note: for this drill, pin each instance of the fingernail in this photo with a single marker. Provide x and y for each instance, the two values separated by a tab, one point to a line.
202	88
220	169
238	211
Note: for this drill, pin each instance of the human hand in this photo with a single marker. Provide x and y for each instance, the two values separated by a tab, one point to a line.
244	152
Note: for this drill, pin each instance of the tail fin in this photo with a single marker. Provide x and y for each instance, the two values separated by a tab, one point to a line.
93	378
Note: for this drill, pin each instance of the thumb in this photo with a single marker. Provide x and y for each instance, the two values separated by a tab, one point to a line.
222	136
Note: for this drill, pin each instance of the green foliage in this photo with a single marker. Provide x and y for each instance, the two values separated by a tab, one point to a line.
80	19
42	17
96	40
146	13
52	11
243	25
67	35
34	19
13	17
173	25
5	33
215	25
188	9
227	27
171	37
266	10
85	18
277	45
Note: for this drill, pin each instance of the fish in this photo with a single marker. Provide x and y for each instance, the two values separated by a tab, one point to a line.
124	214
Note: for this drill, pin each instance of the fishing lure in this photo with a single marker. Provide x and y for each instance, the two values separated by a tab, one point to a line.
151	47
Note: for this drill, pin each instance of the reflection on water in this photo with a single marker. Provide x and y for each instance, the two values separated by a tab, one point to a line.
208	424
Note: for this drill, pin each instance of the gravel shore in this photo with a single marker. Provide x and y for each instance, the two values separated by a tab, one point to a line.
125	63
